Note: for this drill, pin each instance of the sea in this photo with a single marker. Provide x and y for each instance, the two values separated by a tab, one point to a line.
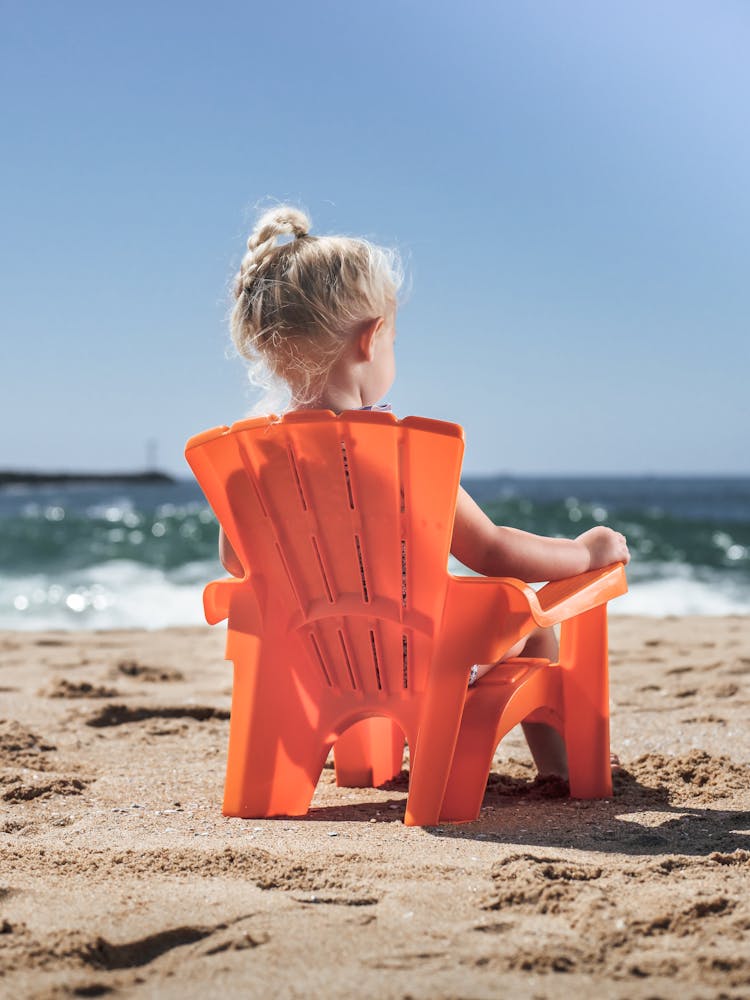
137	555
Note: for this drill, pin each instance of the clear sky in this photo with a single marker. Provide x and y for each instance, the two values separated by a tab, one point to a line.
569	183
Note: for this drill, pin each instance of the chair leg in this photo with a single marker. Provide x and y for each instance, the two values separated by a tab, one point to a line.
472	759
278	785
507	695
584	660
275	754
436	741
369	754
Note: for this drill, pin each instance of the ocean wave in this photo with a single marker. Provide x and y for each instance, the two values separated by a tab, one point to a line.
100	557
124	594
114	594
672	588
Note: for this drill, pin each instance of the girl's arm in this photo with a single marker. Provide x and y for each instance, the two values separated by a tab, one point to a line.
499	551
228	556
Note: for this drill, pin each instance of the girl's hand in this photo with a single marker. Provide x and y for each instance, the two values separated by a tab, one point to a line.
605	547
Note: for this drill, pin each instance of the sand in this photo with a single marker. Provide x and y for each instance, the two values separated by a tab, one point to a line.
119	875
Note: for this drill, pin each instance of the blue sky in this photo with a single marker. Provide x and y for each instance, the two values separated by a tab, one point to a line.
568	183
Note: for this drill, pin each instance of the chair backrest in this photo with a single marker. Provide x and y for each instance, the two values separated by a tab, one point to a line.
343	524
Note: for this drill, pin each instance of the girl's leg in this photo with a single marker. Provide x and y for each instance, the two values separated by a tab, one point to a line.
545	743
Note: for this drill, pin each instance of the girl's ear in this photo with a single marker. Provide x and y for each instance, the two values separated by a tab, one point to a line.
367	336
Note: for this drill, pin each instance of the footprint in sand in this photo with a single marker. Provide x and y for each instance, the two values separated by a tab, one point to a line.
725	690
543	884
103	955
131	668
118	715
24	791
683	922
21	748
83	689
21	752
12	826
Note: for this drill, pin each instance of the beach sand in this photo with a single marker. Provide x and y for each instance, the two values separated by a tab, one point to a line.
119	875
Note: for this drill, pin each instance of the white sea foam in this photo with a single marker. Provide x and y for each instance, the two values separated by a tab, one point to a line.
682	594
116	594
127	594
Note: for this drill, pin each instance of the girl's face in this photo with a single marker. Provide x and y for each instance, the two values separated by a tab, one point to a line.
382	369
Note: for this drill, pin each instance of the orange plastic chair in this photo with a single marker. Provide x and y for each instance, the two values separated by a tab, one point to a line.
348	631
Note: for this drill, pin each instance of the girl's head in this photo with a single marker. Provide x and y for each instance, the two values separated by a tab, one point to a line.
302	303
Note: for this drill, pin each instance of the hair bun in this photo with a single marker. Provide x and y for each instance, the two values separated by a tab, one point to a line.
278	221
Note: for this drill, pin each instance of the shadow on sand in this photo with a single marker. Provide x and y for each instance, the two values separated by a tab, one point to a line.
638	820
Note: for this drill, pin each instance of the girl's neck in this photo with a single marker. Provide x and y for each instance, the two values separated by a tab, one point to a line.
337	399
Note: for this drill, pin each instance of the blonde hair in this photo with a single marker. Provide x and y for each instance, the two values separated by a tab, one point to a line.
298	303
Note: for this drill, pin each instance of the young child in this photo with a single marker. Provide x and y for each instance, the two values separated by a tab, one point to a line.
317	314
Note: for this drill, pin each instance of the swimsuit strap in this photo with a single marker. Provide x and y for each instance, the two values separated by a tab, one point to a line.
380	407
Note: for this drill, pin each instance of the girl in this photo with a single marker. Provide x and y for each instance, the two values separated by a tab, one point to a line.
317	315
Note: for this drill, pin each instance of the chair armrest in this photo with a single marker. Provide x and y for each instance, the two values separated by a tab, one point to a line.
484	616
475	602
217	598
564	599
